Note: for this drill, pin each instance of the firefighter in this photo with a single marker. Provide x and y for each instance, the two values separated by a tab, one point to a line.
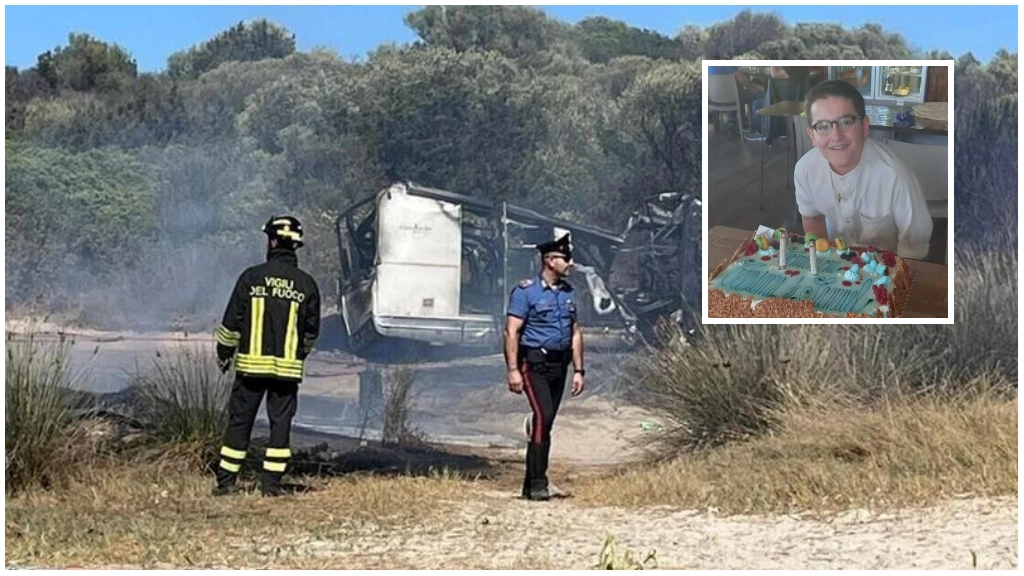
269	328
542	337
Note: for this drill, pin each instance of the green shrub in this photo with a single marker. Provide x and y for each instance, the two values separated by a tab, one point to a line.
184	397
44	442
735	382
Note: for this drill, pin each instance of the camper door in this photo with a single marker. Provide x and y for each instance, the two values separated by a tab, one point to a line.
419	251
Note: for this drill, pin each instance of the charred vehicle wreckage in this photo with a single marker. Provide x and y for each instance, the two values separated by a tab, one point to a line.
428	266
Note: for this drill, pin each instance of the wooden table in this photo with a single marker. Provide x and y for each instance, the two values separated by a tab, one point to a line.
928	296
784	108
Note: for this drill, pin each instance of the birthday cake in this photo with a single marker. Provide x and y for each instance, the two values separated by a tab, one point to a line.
782	275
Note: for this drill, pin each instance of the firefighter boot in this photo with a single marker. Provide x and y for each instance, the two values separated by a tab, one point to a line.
271	483
225	483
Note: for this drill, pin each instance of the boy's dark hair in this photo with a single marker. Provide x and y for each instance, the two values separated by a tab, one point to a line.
829	88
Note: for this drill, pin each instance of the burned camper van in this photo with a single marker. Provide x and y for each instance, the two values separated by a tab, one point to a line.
425	265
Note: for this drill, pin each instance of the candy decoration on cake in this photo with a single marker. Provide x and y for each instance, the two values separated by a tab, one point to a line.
763	245
842	248
871	252
783	237
759	286
822	246
881	295
750	249
889	258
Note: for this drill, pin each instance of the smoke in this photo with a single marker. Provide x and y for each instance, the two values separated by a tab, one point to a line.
170	269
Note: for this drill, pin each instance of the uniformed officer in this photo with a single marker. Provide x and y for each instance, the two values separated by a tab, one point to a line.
542	337
270	325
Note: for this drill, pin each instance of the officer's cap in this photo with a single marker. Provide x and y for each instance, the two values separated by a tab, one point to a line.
287	228
561	246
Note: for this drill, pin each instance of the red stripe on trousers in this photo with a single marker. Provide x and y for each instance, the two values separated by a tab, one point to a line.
534	404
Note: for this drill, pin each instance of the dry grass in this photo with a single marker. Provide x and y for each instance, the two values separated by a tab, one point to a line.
909	451
162	515
43	442
399	395
184	398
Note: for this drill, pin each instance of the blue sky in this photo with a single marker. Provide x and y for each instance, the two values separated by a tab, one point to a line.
152	33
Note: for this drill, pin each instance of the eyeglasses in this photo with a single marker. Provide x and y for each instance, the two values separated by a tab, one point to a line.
845	124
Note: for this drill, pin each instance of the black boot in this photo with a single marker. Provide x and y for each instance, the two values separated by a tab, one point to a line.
226	490
271	484
225	483
535	484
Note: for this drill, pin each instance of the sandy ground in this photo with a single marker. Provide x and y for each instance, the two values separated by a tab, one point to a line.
492	530
465	402
498	531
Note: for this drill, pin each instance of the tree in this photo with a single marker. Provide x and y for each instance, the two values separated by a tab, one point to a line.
691	40
243	42
87	64
601	39
742	34
571	174
1003	69
985	166
877	45
515	32
73	216
20	87
661	130
458	121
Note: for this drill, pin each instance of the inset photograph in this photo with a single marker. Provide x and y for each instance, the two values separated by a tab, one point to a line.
828	191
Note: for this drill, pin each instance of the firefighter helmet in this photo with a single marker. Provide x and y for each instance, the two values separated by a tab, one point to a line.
285	228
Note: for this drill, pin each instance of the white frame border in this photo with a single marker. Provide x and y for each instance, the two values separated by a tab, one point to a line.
704	193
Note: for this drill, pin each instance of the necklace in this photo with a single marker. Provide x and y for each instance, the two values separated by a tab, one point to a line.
839	193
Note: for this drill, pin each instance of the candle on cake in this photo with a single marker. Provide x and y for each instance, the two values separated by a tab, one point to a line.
810	241
783	237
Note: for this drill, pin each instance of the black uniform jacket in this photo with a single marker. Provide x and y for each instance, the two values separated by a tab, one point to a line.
272	319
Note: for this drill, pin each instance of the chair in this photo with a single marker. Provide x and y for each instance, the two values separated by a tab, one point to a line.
778	90
802	143
802	140
774	126
724	96
930	164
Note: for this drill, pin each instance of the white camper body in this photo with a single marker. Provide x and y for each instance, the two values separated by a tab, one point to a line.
415	290
435	267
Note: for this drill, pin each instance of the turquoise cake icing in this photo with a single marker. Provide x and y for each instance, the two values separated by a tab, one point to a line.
844	283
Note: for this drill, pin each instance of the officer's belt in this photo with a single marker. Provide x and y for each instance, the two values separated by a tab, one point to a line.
552	355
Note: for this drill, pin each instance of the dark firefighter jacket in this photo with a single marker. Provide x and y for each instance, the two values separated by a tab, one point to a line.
272	319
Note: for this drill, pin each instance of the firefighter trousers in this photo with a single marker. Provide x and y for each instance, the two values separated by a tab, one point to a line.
246	396
543	383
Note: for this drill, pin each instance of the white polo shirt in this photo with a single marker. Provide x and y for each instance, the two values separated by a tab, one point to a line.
881	201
